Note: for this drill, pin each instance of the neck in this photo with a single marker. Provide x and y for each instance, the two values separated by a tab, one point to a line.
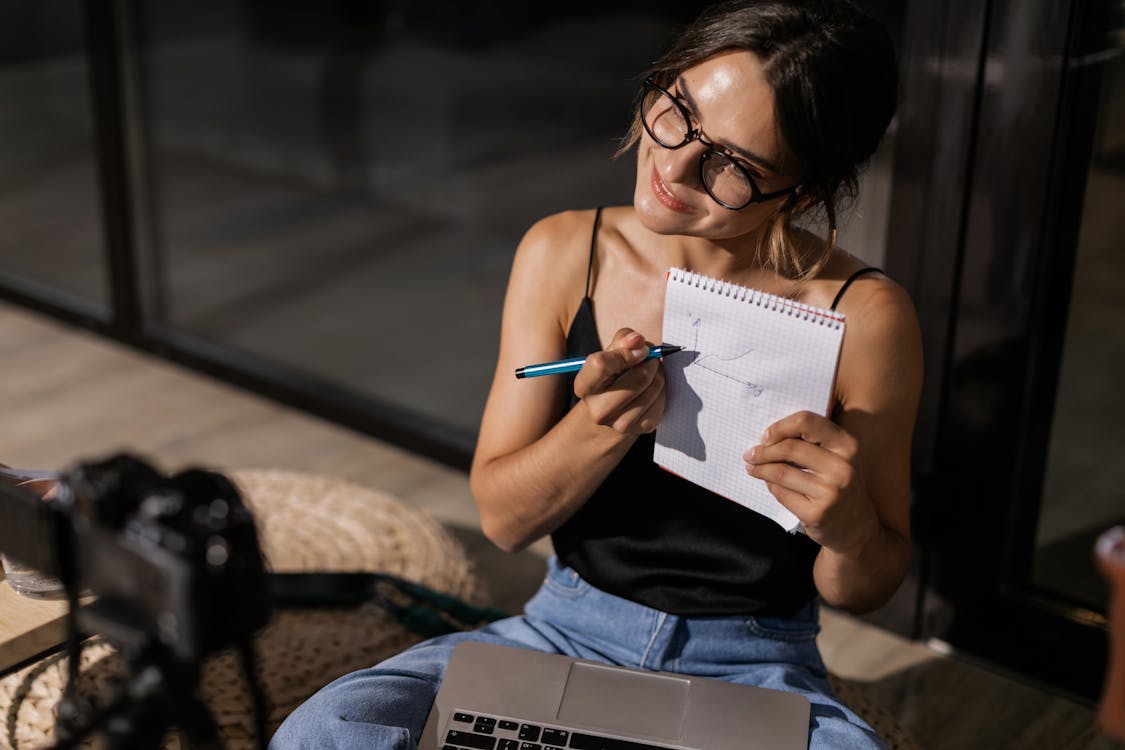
732	259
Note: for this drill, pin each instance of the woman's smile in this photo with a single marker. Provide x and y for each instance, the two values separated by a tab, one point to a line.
665	195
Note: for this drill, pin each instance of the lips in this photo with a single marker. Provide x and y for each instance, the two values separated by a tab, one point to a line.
664	194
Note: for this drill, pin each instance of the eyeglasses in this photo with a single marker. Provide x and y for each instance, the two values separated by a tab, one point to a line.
668	121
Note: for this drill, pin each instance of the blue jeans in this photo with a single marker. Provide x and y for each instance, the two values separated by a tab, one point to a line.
386	706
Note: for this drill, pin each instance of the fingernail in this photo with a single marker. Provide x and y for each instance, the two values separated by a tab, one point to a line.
765	437
639	351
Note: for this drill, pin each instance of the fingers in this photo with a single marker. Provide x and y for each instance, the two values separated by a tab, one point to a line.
800	465
806	483
812	428
619	388
633	403
812	466
644	411
803	457
602	369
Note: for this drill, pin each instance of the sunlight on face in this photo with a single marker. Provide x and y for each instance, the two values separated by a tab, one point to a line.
732	104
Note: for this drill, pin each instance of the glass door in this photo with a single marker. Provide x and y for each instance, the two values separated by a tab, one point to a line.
1084	478
1024	458
327	181
52	245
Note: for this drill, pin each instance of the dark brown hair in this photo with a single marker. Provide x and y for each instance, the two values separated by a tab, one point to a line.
834	76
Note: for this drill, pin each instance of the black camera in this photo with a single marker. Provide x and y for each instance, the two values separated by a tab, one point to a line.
173	563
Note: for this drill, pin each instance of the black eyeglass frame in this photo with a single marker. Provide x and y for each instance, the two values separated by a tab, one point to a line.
693	134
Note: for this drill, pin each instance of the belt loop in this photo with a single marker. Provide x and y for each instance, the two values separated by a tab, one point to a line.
661	618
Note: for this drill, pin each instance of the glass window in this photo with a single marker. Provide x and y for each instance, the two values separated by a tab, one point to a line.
49	209
339	187
1084	489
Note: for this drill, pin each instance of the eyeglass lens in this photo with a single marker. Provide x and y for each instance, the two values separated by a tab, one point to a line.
665	121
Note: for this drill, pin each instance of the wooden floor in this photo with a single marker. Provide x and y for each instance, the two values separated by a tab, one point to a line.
66	395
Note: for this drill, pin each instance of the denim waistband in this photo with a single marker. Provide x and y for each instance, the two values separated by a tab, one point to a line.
596	624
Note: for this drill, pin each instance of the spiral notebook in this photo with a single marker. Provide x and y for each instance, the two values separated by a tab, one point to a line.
750	359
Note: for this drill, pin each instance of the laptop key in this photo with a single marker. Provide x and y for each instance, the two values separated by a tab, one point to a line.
530	746
474	741
579	741
482	728
463	717
508	745
554	737
529	732
508	724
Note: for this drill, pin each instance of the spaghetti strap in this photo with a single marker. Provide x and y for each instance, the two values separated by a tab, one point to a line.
593	245
850	279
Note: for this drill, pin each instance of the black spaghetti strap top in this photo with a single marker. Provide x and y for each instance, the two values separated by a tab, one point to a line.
654	538
835	301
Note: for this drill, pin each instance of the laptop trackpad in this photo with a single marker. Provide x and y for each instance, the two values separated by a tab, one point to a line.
626	702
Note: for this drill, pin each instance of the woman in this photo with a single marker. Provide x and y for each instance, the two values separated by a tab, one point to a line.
761	113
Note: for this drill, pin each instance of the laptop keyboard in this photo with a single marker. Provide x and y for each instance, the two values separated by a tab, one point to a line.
473	731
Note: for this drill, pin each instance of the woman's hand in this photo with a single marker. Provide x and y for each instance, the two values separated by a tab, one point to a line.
811	465
619	388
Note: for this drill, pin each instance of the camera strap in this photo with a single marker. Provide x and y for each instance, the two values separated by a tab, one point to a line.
420	609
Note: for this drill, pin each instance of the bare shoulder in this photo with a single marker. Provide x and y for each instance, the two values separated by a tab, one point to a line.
882	355
558	235
871	300
549	270
878	307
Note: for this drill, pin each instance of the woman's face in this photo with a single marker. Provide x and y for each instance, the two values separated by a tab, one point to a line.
732	105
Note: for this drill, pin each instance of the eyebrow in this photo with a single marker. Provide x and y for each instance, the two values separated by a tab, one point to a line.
681	84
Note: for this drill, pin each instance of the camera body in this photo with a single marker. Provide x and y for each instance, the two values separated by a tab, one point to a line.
171	560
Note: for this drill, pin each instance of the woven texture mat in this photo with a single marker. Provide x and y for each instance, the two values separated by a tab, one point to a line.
308	522
305	522
857	697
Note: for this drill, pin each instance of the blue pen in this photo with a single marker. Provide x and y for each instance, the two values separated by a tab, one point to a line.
575	364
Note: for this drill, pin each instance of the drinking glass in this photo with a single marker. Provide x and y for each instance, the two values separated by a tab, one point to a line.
30	582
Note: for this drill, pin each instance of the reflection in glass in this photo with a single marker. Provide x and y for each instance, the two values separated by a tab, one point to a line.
49	208
1084	489
340	187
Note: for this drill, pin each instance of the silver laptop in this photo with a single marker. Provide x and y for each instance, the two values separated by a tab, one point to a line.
502	698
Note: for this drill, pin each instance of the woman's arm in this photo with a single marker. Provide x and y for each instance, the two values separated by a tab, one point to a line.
848	480
536	462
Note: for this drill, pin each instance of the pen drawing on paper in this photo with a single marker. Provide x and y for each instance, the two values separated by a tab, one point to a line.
724	367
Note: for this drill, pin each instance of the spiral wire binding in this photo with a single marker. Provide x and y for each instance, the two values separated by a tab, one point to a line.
820	315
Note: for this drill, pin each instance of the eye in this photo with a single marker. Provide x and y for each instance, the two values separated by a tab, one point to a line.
692	119
733	162
747	166
693	123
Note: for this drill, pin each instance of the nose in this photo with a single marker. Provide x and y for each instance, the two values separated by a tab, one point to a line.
681	165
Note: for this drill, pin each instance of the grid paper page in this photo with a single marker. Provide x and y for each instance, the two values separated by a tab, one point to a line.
750	359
